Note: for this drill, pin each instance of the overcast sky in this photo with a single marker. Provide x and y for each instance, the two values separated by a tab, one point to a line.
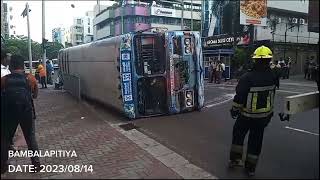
57	14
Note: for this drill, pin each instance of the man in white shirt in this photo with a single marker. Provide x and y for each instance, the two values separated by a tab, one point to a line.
5	59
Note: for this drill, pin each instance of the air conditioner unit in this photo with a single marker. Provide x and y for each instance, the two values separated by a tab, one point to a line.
294	20
301	21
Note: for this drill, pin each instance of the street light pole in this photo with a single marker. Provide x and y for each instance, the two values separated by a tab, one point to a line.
182	14
285	40
43	38
29	39
191	15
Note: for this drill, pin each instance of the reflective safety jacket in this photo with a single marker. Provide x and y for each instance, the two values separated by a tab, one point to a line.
255	94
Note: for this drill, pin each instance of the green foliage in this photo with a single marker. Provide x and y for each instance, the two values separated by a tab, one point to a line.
19	45
52	49
239	58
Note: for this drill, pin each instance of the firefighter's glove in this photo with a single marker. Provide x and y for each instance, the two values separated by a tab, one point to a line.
235	112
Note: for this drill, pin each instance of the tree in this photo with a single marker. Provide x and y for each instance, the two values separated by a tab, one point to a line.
19	45
52	49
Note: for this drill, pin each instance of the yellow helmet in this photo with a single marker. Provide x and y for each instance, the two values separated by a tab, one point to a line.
262	52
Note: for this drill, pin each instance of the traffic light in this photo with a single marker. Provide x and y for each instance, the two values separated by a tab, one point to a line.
44	43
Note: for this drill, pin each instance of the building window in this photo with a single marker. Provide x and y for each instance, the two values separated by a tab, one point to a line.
88	29
88	21
78	21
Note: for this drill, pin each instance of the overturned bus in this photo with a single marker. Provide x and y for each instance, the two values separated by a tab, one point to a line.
140	74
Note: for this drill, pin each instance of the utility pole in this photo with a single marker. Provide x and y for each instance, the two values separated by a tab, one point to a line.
26	13
29	39
285	40
122	19
182	14
191	15
43	38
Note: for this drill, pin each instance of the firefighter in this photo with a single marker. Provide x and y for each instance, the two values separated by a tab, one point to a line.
252	108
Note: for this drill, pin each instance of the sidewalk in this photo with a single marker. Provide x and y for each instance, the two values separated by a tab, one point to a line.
64	124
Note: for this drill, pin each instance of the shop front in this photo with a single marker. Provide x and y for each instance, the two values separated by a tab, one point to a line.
221	48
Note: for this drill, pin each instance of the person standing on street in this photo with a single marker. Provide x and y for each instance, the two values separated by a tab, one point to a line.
49	69
305	68
18	89
5	59
219	70
210	72
288	64
224	71
252	108
42	75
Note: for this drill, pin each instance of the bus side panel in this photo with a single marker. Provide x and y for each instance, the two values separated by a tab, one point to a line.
126	66
96	65
200	69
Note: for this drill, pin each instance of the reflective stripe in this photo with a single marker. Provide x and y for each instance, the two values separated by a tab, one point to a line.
252	158
251	107
254	115
237	105
236	148
264	88
249	100
254	101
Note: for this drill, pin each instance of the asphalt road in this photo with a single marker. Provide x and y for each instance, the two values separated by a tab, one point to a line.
204	138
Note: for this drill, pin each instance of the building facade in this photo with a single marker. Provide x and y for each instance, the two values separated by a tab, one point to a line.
134	16
4	20
58	35
81	30
88	27
286	31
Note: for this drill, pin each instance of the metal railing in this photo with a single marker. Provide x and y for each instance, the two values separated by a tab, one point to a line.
71	84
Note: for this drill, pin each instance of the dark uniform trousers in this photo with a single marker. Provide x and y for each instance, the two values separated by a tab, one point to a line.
9	124
255	127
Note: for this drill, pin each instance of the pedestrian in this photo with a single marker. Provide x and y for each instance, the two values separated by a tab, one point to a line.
218	73
306	68
5	61
288	65
18	89
42	75
49	69
252	108
283	68
210	72
317	76
224	71
310	69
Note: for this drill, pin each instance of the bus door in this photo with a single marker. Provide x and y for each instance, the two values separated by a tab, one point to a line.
150	74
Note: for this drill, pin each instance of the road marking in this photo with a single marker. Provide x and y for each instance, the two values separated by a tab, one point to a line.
299	84
300	130
294	92
229	96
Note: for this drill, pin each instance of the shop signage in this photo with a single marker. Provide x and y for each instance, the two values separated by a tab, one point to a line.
226	40
157	11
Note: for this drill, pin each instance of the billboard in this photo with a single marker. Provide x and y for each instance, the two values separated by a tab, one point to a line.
158	11
253	12
313	16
